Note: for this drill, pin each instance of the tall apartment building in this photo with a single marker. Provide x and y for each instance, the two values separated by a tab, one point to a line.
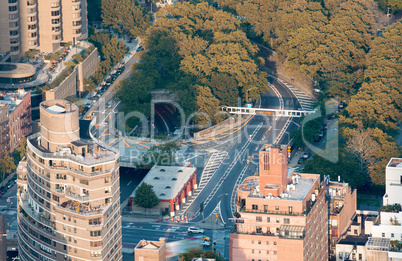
41	24
68	193
282	215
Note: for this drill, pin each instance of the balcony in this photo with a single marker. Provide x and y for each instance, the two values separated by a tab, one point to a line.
75	196
25	206
89	159
60	192
82	209
29	220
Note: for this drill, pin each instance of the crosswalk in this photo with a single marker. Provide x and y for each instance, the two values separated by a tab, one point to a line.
210	168
306	102
213	164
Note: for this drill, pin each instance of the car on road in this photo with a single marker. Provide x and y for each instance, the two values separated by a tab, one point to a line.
195	230
206	243
300	161
306	155
321	133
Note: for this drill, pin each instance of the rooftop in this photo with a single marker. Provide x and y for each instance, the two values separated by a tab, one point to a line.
16	70
395	163
13	99
59	106
150	245
167	181
297	191
354	240
102	155
378	244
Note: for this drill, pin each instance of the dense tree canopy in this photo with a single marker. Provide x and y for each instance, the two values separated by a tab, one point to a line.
202	55
127	16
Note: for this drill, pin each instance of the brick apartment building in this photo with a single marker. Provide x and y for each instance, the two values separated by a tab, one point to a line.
15	119
283	215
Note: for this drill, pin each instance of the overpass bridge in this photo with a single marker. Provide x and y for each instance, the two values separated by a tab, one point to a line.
268	112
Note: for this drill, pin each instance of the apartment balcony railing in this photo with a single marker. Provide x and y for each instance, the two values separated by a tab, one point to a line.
37	217
78	197
77	208
87	160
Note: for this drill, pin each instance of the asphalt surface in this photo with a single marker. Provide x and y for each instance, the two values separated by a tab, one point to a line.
226	190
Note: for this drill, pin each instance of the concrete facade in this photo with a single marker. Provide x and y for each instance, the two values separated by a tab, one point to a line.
285	219
393	182
68	193
75	81
41	25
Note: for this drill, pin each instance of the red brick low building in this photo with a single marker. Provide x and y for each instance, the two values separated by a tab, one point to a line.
172	185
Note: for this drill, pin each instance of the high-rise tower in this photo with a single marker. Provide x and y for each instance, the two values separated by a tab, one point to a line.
68	192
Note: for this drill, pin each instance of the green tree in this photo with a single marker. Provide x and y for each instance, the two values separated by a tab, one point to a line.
197	253
94	11
126	16
163	154
29	54
22	148
78	57
7	166
145	196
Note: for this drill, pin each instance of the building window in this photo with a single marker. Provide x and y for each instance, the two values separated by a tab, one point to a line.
277	220
259	242
267	252
252	251
276	208
258	230
258	219
286	221
252	241
267	242
265	208
274	252
392	234
360	257
355	231
268	219
254	207
383	234
274	243
290	210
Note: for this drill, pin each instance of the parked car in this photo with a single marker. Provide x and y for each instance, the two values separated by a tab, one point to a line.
321	133
300	161
195	230
317	138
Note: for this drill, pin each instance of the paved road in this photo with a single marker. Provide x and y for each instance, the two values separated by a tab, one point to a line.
11	209
226	190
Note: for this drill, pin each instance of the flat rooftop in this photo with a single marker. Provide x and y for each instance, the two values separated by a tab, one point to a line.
302	187
354	240
167	181
395	163
90	158
16	70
